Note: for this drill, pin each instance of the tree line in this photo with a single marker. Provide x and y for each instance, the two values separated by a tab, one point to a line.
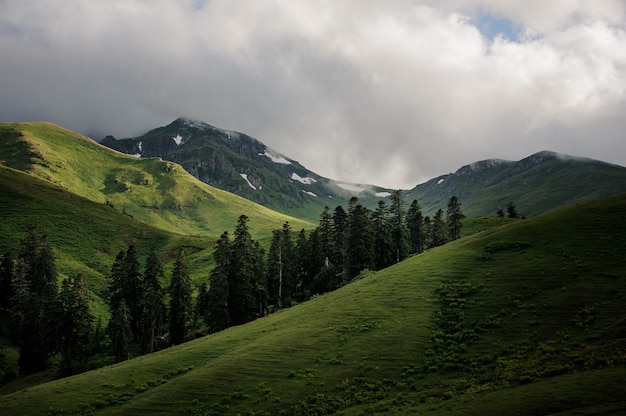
245	283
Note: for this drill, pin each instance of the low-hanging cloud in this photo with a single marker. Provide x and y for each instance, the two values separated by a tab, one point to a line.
389	93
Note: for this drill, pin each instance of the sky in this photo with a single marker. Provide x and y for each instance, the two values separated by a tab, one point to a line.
389	93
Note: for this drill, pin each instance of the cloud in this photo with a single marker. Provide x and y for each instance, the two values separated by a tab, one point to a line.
390	93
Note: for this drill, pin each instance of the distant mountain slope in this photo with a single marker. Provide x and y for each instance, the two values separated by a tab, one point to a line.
523	319
537	184
243	165
152	191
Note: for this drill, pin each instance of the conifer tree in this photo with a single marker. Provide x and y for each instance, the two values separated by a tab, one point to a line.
303	274
35	312
120	332
260	279
153	308
397	226
217	315
275	269
201	306
453	218
76	333
133	289
6	279
241	300
438	230
415	226
359	241
383	251
340	244
180	300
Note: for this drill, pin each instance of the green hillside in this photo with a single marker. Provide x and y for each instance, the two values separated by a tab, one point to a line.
152	191
536	184
524	319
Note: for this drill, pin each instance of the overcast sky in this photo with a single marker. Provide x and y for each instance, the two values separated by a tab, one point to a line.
390	93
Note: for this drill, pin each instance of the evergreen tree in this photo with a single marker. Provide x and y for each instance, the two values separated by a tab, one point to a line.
6	279
415	225
428	232
201	308
453	218
260	279
153	308
242	301
511	210
397	226
383	246
217	316
340	231
35	312
326	239
133	289
76	333
120	332
275	269
438	230
359	241
303	274
180	300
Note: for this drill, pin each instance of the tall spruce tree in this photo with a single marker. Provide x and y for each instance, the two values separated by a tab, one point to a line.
120	332
35	312
76	333
397	226
303	274
340	245
453	218
180	300
275	270
438	230
6	281
217	315
242	300
153	308
415	226
133	289
383	246
359	241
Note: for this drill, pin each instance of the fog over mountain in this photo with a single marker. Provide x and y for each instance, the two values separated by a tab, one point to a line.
391	93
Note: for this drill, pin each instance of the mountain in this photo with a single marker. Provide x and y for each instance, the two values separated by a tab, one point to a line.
152	191
524	319
536	184
240	164
243	165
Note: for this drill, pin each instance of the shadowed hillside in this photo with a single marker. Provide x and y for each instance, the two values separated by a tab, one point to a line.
525	318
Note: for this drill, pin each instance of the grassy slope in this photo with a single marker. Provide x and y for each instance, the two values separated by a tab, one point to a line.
545	305
152	191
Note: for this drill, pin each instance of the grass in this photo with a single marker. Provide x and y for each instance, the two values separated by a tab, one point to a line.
526	317
152	191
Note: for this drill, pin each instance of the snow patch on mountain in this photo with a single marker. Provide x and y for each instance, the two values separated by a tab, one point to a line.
275	158
309	193
136	155
140	146
440	181
245	177
306	181
178	140
383	194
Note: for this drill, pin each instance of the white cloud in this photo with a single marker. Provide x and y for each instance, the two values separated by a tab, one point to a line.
389	93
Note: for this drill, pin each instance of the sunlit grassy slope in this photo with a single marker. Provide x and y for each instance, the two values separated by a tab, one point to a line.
524	319
152	191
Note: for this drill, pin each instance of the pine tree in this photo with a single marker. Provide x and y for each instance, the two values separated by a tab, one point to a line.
453	218
153	308
76	333
275	269
359	241
415	225
340	256
218	317
120	332
260	279
180	300
241	299
383	249
35	311
511	210
133	289
397	226
304	277
6	279
438	230
201	306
